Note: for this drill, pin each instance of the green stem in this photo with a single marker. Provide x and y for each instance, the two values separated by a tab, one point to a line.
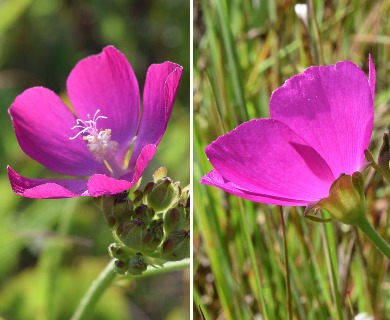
374	236
168	267
103	281
332	268
288	282
385	173
259	294
320	54
95	291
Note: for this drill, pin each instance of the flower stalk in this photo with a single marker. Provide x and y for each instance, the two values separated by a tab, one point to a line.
106	277
95	291
287	268
364	225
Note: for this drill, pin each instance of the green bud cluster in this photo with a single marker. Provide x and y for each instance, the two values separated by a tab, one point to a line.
126	261
150	226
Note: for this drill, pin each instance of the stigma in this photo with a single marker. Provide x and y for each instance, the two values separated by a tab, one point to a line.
99	142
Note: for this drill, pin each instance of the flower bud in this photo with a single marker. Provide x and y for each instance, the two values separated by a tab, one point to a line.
144	213
346	201
154	236
117	251
383	158
124	216
188	202
162	196
111	221
174	219
108	203
131	233
122	208
107	206
116	208
148	188
121	266
177	246
137	264
160	174
187	220
384	154
138	196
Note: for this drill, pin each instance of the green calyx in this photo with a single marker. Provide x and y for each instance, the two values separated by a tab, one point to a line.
162	193
177	246
346	202
162	196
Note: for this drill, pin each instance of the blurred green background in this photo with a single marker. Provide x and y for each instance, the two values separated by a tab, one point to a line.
243	50
51	250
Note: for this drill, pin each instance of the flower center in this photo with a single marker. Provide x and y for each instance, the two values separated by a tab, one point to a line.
99	142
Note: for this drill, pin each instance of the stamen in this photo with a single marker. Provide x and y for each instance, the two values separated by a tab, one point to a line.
99	141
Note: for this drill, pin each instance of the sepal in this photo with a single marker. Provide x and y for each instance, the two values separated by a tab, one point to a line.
346	202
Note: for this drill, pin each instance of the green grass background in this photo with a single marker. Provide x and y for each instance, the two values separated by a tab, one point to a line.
51	250
243	50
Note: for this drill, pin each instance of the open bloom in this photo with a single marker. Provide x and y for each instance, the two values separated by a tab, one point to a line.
321	123
104	138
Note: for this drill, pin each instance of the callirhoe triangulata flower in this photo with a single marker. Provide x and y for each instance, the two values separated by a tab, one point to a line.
106	139
321	123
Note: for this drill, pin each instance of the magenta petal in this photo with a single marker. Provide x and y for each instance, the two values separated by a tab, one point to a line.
46	189
159	95
107	82
42	124
99	184
265	157
141	163
331	108
213	178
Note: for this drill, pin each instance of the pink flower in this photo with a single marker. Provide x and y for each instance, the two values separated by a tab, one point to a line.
105	138
321	123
